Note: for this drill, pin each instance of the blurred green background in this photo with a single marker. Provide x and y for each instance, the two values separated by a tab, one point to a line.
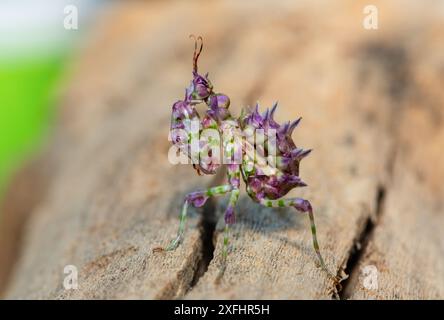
35	50
27	92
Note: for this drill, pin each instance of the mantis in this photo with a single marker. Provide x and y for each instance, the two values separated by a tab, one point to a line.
266	183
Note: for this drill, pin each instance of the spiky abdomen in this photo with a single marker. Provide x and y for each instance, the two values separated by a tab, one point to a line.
270	172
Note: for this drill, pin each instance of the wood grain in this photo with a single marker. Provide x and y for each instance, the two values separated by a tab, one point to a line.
114	196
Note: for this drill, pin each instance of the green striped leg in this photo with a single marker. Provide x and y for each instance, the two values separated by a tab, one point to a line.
233	175
303	206
229	220
196	199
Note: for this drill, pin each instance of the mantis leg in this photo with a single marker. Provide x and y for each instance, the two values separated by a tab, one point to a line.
229	217
196	199
303	206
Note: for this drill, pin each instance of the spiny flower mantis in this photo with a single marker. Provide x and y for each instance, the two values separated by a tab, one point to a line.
266	183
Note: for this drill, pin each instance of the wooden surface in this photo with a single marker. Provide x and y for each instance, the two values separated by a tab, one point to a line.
371	103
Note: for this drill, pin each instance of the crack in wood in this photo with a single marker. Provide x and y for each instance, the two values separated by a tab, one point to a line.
359	246
393	61
207	229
